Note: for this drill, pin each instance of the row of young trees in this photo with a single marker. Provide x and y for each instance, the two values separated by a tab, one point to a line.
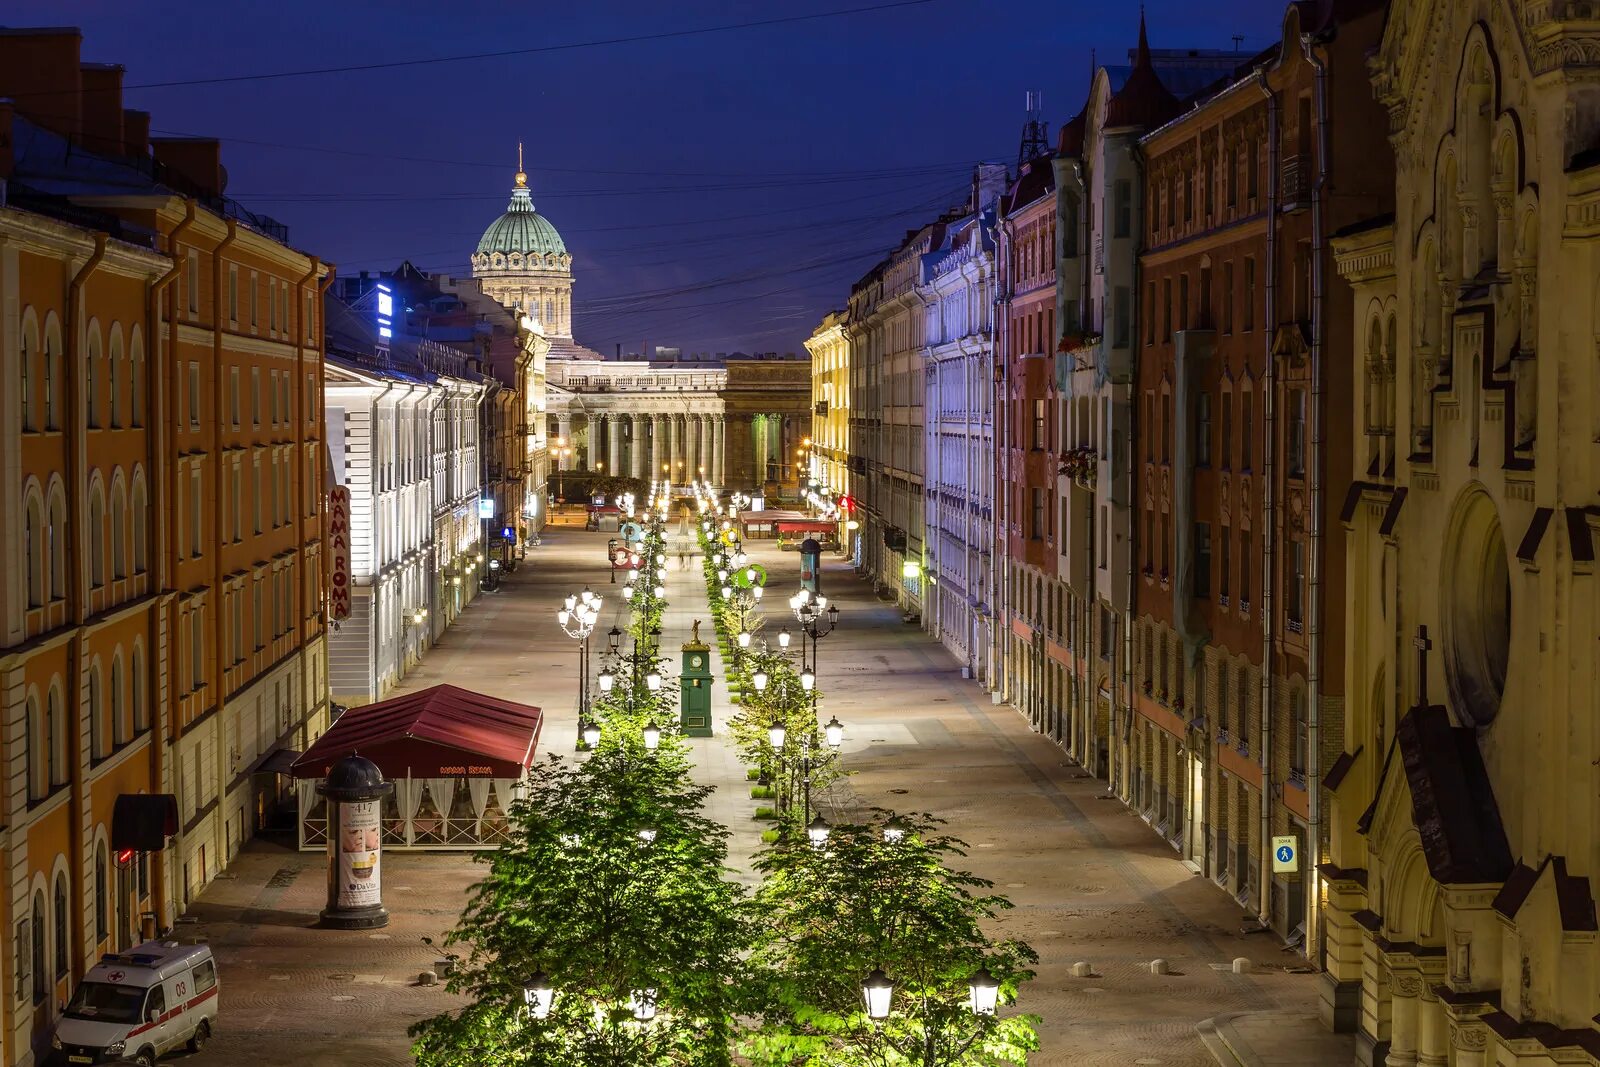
610	931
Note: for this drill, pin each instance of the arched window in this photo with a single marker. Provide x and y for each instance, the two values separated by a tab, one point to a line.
141	713
114	377
141	521
119	703
52	374
35	549
63	941
119	529
40	978
91	377
97	726
102	924
97	536
38	755
30	347
56	535
136	378
56	734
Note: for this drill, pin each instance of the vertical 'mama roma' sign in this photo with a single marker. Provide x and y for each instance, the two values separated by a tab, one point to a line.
339	552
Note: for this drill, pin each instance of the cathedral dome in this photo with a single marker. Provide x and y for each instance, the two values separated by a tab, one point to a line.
521	231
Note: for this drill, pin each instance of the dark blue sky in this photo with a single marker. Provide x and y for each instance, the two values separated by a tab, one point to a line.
718	192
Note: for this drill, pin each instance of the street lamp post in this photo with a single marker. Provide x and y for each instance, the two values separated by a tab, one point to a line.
576	618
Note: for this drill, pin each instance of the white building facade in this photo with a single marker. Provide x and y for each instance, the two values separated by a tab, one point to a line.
403	440
959	461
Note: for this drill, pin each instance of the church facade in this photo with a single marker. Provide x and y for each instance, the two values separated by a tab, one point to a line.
1460	919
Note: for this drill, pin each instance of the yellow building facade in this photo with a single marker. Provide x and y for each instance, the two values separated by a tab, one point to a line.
161	491
1460	921
830	406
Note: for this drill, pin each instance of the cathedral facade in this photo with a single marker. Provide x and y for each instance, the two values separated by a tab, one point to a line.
1460	920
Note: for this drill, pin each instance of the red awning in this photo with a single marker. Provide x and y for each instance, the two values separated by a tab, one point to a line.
442	732
807	526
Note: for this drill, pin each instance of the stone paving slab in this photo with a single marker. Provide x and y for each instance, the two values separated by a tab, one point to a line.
1090	881
1275	1039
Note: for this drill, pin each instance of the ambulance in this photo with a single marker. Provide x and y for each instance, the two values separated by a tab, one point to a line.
134	1006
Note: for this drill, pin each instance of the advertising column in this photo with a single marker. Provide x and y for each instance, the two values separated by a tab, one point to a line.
355	790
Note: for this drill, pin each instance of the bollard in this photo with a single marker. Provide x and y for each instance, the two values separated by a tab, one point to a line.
1159	967
1241	965
1082	969
427	978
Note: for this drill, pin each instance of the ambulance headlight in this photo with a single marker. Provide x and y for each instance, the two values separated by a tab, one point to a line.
115	1048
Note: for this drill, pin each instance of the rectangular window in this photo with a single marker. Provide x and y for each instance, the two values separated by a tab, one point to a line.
1149	541
1206	321
1246	435
1119	316
1149	427
306	316
255	289
1297	433
1249	310
1150	313
238	504
1040	418
1227	297
1231	180
233	295
256	491
1105	540
197	649
196	519
1295	602
1227	431
1202	559
1202	429
1244	570
194	396
258	616
1166	428
1297	758
1188	196
1224	572
1166	309
1122	199
255	397
1166	545
272	306
1252	171
1302	280
233	396
1039	517
193	282
1183	301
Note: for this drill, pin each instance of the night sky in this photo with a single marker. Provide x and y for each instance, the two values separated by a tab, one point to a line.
718	192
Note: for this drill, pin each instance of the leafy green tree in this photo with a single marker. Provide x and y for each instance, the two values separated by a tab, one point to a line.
613	883
831	916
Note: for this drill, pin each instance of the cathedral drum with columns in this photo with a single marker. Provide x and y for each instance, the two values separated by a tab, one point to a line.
1459	878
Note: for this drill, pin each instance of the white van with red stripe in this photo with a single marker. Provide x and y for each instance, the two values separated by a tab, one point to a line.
136	1005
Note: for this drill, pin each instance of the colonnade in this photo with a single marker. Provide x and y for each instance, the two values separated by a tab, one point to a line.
684	445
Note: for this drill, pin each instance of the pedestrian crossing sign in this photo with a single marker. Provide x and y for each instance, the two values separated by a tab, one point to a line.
1285	855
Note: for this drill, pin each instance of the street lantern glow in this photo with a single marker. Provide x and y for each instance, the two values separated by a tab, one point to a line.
648	836
985	992
652	736
817	830
652	681
835	732
877	991
894	831
661	591
759	680
776	734
744	638
756	591
540	995
726	592
562	616
591	734
808	679
607	680
784	638
572	601
627	592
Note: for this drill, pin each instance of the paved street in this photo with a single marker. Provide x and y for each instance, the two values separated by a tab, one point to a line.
1091	882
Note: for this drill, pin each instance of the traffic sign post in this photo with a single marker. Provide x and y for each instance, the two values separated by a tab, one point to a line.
1285	855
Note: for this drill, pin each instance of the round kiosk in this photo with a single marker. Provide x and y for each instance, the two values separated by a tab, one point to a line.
355	790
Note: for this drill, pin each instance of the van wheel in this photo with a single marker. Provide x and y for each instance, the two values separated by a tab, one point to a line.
146	1057
202	1033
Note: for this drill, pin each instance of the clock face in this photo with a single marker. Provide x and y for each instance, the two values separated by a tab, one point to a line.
695	661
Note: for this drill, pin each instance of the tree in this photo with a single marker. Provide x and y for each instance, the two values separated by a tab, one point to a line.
831	916
613	884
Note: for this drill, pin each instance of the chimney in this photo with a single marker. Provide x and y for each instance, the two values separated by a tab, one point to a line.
135	133
193	161
8	156
101	110
39	69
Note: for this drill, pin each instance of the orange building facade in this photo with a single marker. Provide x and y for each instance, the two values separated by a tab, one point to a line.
162	467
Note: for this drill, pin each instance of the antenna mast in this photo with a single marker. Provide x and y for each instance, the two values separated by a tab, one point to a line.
1035	137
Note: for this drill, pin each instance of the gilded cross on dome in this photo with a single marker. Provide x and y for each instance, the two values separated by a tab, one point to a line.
522	176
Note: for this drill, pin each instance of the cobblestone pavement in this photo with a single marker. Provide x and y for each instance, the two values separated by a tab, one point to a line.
1090	880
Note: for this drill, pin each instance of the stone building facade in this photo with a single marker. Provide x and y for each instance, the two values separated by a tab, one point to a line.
829	346
1461	923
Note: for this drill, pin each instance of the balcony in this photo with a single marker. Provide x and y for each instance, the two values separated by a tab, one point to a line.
1295	184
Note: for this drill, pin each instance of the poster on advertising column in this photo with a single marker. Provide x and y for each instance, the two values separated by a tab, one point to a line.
360	883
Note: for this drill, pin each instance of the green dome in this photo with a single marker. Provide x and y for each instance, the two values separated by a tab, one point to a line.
521	229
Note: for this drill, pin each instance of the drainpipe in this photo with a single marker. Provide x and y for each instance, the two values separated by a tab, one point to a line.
1125	622
1268	512
1319	325
158	360
297	476
77	463
375	670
